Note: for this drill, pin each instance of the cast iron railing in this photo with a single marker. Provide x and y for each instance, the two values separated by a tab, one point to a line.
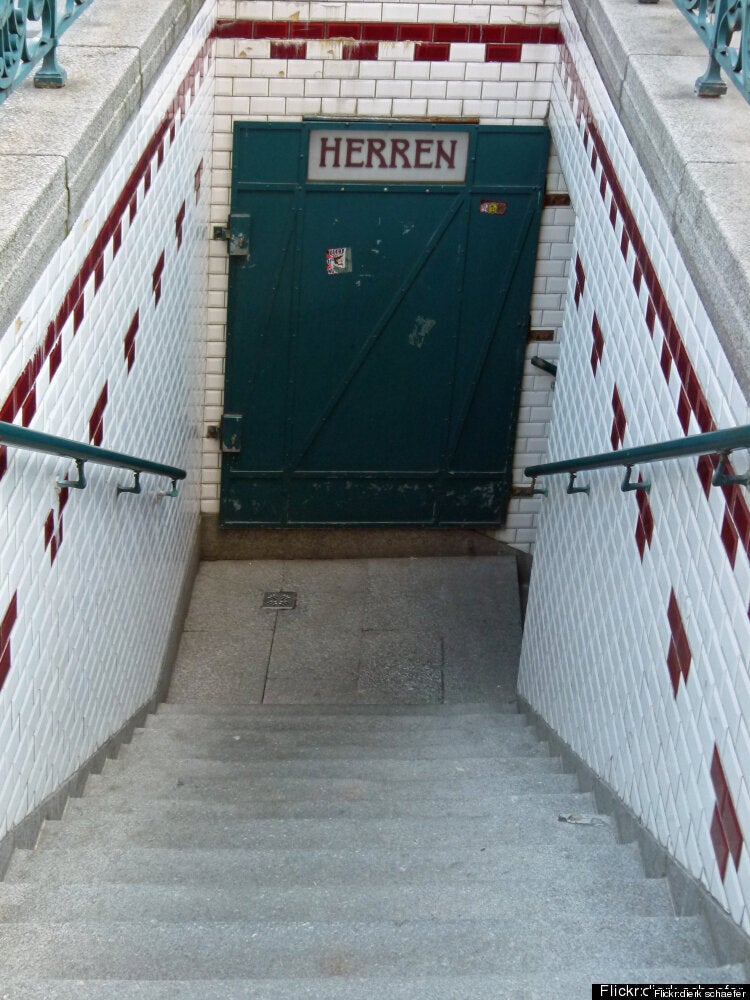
721	443
20	437
724	28
29	33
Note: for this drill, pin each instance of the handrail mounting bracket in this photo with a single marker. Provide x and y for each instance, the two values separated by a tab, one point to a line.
720	478
572	488
135	488
74	484
628	487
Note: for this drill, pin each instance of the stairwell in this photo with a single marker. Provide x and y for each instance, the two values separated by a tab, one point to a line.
340	800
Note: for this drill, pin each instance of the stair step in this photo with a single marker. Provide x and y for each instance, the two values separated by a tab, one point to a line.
512	865
141	770
231	710
562	984
279	746
186	825
451	794
438	900
300	950
469	724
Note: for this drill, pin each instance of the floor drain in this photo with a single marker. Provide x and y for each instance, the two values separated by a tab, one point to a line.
280	600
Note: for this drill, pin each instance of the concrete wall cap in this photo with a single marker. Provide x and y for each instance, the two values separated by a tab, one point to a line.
56	142
694	152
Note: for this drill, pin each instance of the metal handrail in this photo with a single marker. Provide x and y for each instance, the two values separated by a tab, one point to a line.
22	437
719	23
20	52
721	443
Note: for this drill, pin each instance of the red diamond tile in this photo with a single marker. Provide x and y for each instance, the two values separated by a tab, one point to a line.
4	665
673	665
729	537
719	840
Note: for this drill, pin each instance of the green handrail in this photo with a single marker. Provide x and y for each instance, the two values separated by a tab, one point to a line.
22	437
720	443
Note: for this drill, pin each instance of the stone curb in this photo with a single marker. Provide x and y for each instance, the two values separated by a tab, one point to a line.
694	151
57	142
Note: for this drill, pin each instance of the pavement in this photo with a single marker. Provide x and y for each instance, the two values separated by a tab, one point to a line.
362	631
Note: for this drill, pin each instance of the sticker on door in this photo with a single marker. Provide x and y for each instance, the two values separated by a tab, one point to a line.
339	260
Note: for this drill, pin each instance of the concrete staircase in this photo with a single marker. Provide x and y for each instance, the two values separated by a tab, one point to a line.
342	852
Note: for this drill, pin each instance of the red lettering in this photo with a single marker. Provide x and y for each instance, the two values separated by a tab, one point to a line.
450	158
354	146
424	146
325	148
375	148
400	147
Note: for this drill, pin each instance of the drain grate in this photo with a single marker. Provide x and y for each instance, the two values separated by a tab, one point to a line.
280	600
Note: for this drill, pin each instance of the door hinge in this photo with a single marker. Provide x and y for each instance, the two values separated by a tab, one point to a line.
236	234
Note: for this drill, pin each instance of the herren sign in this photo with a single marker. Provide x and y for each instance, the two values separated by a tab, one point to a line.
387	157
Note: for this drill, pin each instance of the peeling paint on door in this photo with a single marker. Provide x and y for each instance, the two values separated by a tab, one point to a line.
419	333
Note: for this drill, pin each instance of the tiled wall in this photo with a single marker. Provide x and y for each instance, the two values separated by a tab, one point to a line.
491	61
108	349
637	640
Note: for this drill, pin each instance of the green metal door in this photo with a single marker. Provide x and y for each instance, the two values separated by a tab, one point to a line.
377	325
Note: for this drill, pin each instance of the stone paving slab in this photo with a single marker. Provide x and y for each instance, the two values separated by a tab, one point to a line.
413	631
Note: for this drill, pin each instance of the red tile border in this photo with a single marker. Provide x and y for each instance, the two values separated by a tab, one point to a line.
360	50
432	52
289	50
503	41
503	53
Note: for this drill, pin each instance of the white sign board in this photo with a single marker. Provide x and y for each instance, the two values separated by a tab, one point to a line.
387	156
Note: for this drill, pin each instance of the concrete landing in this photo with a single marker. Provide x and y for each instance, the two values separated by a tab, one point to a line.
363	631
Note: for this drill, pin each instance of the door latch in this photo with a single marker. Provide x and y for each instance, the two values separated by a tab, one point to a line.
231	433
237	235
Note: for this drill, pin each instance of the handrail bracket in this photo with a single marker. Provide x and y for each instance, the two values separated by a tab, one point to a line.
572	488
628	487
135	488
720	478
74	484
172	493
542	491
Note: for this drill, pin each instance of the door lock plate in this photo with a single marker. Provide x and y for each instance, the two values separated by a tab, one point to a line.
231	433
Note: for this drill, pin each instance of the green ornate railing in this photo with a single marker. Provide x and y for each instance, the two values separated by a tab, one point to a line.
724	28
720	443
29	33
20	437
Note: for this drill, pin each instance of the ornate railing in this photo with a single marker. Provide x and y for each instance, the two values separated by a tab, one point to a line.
724	28
29	33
